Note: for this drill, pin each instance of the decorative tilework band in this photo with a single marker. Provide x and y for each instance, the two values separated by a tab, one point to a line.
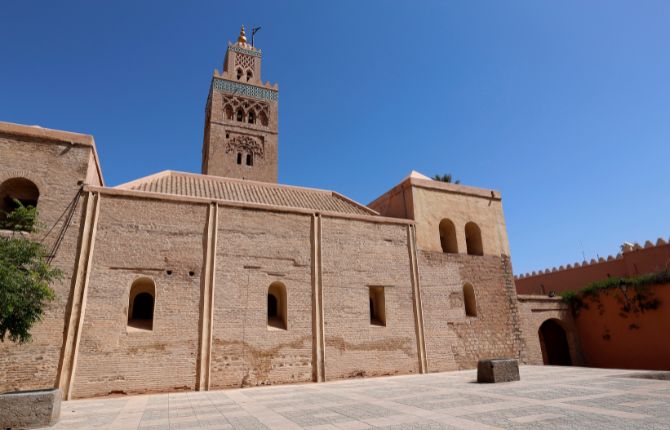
244	51
245	90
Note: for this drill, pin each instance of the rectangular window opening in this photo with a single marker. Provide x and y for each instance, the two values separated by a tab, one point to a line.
377	306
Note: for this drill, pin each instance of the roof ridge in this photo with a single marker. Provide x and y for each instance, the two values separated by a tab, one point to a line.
143	179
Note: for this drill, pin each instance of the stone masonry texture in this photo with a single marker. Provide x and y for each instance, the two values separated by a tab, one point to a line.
30	409
208	248
164	238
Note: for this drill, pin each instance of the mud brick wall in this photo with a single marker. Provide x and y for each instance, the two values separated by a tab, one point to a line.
454	340
535	310
356	255
55	168
255	249
142	238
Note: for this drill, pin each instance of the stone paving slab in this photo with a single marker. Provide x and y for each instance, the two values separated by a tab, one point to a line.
547	397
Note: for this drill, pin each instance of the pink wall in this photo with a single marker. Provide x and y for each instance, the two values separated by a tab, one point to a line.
607	340
630	263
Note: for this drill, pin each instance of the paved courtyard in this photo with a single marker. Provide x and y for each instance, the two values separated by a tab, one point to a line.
546	398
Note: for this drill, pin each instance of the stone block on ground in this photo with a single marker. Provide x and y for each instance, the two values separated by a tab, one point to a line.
29	409
498	370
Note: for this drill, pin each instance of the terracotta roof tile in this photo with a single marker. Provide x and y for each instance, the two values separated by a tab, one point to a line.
236	190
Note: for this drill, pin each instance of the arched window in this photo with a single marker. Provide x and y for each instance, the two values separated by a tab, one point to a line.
277	310
469	300
249	75
264	119
15	190
141	304
229	112
448	236
250	159
240	115
473	239
252	117
239	74
377	306
239	158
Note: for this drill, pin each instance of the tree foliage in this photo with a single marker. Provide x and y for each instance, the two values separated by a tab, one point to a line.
24	276
447	177
22	218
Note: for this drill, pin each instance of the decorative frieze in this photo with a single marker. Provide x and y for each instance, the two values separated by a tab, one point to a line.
246	144
255	53
238	88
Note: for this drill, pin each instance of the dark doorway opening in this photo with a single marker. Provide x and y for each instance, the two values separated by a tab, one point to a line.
554	342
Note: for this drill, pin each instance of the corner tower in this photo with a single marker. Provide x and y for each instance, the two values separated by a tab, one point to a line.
240	139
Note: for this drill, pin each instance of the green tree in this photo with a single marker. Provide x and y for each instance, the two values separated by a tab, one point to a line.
25	275
446	178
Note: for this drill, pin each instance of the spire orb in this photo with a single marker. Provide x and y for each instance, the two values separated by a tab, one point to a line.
243	37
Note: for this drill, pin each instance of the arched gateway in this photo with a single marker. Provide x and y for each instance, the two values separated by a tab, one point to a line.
554	343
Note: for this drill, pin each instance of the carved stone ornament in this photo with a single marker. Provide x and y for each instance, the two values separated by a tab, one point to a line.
245	144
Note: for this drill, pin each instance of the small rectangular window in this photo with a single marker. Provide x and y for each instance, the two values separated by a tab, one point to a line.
377	306
250	159
239	158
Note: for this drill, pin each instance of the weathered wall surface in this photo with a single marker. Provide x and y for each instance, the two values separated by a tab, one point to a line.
454	340
55	168
431	206
535	310
569	279
166	239
634	260
142	238
255	249
396	202
356	255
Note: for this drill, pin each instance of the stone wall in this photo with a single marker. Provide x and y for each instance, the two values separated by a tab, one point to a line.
355	256
255	249
56	168
212	263
137	238
456	341
535	310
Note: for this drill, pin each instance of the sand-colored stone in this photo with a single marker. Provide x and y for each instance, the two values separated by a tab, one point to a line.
212	246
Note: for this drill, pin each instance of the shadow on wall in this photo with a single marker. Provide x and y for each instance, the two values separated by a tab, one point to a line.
554	343
612	338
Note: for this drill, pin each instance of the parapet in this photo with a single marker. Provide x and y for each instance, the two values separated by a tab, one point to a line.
626	247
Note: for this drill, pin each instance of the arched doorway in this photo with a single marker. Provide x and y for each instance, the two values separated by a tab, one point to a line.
554	343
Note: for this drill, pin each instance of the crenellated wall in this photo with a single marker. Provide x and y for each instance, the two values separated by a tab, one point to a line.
634	259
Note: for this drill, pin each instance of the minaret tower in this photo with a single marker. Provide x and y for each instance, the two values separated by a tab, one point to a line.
241	118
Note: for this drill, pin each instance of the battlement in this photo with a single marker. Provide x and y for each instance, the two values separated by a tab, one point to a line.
626	247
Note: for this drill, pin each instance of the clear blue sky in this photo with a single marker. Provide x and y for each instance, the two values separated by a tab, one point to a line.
563	106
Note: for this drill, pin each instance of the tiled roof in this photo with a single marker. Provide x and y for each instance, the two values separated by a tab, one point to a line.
237	190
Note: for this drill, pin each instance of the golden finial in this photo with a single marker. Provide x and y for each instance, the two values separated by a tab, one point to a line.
243	36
